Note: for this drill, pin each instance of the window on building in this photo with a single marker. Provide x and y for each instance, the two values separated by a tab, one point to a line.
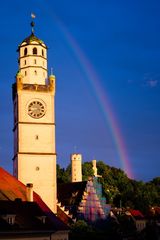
35	72
25	73
42	219
36	137
42	52
25	51
11	220
35	61
25	62
35	51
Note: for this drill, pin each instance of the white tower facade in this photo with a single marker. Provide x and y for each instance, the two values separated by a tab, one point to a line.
34	121
76	167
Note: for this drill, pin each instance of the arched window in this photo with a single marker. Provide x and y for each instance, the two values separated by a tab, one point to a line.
35	51
35	72
25	51
42	52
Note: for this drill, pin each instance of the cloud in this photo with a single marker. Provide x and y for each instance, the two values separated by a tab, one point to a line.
151	80
152	83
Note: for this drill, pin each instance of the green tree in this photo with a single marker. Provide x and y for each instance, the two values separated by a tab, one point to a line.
81	226
63	176
87	170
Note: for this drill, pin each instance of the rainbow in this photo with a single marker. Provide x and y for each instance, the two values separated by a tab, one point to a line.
101	96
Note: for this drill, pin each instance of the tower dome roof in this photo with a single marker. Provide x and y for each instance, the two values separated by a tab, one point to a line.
32	38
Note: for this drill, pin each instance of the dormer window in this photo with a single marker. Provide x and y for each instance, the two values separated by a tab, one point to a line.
10	218
42	219
35	51
25	51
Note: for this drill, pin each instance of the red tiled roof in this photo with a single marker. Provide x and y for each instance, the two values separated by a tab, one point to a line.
136	213
11	189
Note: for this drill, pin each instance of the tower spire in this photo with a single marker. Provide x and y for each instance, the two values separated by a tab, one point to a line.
32	23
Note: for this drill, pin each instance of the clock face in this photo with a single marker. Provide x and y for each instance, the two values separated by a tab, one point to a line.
36	109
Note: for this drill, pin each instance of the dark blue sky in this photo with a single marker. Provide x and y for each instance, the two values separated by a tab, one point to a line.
121	40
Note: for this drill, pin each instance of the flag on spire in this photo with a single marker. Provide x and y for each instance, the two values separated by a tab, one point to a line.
33	15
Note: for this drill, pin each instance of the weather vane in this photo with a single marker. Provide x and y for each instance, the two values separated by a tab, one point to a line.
32	23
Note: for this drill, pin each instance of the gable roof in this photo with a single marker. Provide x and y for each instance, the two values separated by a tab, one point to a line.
12	189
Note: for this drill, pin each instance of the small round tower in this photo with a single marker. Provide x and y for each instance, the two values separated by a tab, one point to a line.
76	167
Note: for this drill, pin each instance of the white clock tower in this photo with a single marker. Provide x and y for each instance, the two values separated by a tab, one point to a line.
34	121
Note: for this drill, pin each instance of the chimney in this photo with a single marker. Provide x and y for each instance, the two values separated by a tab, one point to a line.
29	192
94	167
